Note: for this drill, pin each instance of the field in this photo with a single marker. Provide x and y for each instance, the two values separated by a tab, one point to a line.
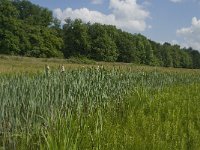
97	106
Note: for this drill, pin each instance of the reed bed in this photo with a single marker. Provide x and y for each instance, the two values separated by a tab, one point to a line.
99	108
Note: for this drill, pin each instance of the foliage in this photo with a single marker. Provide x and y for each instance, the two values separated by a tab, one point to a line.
75	38
33	14
24	30
107	43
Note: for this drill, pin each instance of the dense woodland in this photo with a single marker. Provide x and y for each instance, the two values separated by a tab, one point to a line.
27	29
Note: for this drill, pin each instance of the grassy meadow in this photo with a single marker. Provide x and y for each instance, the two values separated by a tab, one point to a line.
94	105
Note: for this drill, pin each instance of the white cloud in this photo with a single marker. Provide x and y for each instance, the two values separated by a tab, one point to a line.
125	14
176	1
84	14
146	3
97	1
174	42
191	34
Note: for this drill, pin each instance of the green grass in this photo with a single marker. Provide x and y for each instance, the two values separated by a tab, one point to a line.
17	64
118	106
168	121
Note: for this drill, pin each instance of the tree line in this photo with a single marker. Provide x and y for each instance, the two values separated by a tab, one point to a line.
27	29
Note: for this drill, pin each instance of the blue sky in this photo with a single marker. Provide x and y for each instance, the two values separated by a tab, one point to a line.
174	21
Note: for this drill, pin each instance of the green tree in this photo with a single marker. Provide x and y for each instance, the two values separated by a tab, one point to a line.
176	55
44	42
127	48
195	56
9	42
76	38
185	60
157	53
144	50
166	55
33	14
21	37
104	49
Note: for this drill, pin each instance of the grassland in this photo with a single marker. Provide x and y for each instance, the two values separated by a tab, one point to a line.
117	106
16	64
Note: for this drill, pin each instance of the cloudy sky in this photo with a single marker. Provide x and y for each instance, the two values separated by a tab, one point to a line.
174	21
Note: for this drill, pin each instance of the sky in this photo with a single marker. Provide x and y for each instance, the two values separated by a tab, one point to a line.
173	21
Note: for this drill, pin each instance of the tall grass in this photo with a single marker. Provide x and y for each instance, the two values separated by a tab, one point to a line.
96	108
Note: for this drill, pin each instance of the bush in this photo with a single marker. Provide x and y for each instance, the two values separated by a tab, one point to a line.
81	60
